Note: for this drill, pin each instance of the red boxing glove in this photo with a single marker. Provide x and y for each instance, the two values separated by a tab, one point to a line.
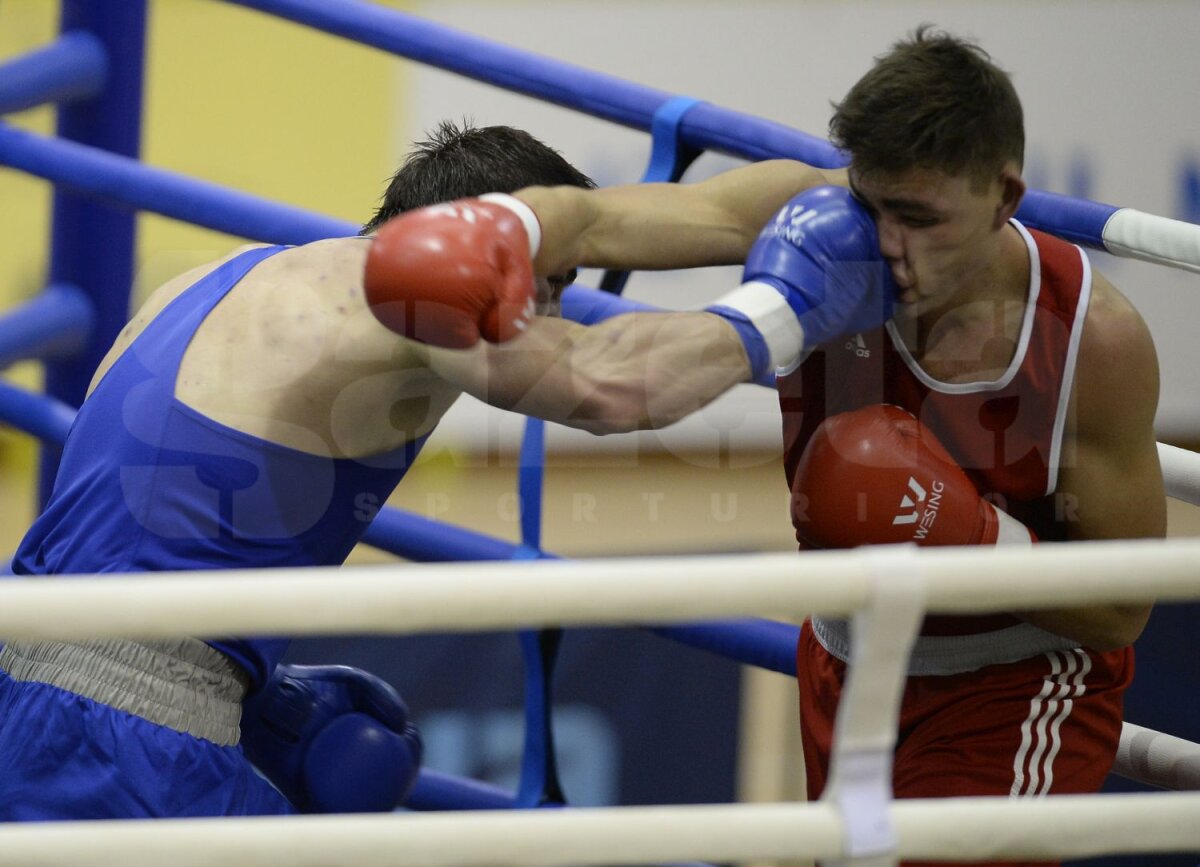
448	274
878	476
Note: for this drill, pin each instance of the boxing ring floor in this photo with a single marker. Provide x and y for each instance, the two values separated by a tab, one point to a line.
89	161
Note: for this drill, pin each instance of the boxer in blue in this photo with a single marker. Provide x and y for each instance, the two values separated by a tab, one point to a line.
199	446
253	405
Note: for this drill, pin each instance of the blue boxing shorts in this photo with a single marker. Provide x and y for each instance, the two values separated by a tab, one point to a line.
111	730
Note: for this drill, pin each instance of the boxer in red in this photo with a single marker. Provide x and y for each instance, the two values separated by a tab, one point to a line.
1010	399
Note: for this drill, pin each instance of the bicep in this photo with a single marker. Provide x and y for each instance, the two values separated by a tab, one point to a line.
1111	473
1110	484
1113	492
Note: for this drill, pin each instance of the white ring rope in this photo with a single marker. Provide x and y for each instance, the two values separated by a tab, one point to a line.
451	597
953	828
1158	759
1181	473
461	597
1139	235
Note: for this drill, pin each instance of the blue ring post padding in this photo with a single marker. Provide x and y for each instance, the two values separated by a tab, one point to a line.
72	67
588	306
91	244
669	159
1076	220
120	179
54	323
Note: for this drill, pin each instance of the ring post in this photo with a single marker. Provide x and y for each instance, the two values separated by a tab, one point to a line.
92	244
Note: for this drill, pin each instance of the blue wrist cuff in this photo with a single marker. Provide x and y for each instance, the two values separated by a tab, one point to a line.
756	345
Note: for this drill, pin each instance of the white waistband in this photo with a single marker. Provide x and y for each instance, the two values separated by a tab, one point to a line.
953	654
183	684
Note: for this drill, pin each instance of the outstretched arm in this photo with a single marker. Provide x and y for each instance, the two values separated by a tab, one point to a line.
456	275
630	372
659	226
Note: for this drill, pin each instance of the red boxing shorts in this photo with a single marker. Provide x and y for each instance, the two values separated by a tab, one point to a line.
1049	724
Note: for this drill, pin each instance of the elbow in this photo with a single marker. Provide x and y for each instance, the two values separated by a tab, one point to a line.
1109	643
1121	626
1120	630
1099	628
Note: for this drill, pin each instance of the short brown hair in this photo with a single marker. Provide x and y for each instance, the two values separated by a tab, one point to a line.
933	102
460	161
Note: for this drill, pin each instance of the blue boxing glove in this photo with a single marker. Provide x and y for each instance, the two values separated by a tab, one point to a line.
813	274
333	739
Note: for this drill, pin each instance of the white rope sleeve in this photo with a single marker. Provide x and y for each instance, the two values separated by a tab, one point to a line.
1158	759
463	597
1181	473
882	635
1138	235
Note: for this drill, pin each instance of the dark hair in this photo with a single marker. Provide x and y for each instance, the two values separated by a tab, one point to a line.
933	102
456	163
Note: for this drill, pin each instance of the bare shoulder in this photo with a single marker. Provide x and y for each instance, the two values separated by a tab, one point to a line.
312	296
338	260
154	304
1117	376
1116	340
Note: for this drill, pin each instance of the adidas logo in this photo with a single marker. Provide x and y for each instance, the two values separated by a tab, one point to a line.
915	510
858	346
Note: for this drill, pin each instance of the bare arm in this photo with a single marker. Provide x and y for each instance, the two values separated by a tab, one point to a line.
658	226
1111	480
631	372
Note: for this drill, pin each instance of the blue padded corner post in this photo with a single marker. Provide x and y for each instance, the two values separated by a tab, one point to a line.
92	244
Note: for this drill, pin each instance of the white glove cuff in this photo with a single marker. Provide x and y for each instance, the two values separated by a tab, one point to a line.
1011	531
769	312
533	227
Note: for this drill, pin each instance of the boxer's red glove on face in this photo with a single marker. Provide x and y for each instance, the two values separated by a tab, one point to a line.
878	476
448	274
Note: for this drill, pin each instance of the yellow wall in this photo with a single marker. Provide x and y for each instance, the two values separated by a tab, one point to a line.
265	106
231	96
24	225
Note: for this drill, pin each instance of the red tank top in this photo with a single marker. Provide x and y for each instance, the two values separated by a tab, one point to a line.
1006	433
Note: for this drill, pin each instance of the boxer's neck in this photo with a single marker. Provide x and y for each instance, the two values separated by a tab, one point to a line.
973	332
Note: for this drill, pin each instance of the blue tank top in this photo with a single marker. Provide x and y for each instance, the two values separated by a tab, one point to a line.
147	483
